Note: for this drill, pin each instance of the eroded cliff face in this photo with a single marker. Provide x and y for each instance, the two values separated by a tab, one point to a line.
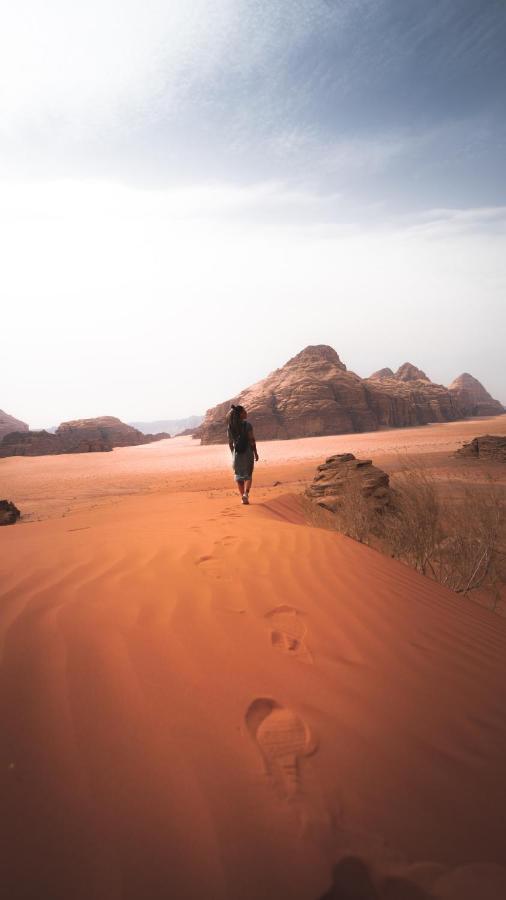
314	394
472	397
409	397
9	423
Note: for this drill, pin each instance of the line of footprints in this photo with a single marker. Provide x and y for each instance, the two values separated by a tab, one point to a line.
281	736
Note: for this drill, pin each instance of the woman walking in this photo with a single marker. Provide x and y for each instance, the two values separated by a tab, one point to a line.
241	441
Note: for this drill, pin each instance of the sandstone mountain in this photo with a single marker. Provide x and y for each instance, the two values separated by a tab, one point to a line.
9	423
472	397
314	394
80	436
409	397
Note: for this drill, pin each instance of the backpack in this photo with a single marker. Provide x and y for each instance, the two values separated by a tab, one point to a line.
241	441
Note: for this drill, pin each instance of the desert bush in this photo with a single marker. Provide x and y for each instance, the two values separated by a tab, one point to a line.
351	514
354	513
472	551
412	527
458	540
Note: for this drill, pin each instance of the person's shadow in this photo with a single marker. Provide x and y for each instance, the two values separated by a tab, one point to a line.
352	880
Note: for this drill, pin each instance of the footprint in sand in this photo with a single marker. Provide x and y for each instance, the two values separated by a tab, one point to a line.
283	739
288	632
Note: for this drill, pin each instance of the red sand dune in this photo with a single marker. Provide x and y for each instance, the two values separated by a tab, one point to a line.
204	700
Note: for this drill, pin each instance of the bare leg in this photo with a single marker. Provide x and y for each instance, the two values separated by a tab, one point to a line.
240	487
247	486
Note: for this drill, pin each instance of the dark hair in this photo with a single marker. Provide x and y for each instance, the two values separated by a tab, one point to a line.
234	419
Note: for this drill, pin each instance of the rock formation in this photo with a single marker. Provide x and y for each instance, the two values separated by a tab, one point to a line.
9	423
409	372
487	446
342	473
81	436
383	373
9	514
110	429
409	397
472	397
314	394
43	443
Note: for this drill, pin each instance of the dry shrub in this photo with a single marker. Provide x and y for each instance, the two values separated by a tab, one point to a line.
352	514
459	541
412	528
472	552
355	514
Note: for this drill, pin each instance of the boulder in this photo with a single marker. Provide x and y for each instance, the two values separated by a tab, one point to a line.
9	514
487	446
472	397
344	472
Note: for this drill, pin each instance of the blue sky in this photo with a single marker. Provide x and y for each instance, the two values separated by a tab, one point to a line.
237	179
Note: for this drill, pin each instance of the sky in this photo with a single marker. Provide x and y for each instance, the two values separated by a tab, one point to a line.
192	193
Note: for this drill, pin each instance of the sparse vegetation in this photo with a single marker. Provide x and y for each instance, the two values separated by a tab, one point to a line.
459	541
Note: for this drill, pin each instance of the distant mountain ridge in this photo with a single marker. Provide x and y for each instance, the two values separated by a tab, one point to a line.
314	394
78	436
174	426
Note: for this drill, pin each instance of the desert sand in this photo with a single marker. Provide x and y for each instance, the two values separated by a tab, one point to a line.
200	699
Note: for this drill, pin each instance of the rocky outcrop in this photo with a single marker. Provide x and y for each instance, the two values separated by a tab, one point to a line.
343	473
314	394
9	514
81	436
9	423
43	443
110	429
472	398
488	446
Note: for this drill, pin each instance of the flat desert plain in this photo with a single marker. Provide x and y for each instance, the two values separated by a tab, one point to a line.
204	700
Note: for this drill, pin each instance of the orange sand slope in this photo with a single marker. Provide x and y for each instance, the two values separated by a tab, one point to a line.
200	699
